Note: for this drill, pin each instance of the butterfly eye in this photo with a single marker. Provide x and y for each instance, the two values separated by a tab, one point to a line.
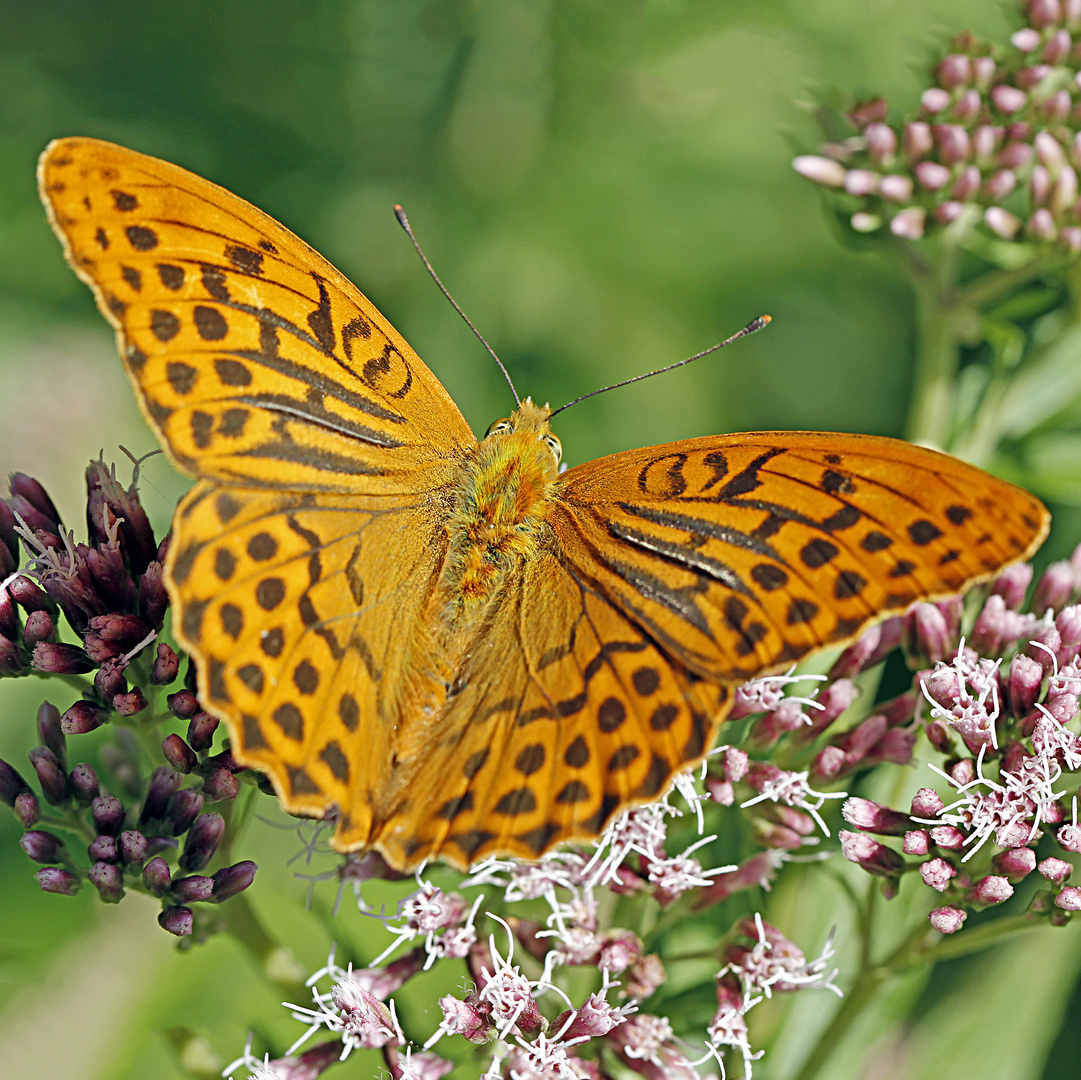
554	445
500	427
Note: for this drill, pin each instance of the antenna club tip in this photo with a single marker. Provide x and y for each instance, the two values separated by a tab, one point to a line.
765	320
399	213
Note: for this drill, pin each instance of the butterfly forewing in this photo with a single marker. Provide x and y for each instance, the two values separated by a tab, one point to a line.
254	359
742	552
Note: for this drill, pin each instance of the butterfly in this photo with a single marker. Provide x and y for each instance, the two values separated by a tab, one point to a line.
452	646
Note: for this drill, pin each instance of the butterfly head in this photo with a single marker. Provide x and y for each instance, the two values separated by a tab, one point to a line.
528	424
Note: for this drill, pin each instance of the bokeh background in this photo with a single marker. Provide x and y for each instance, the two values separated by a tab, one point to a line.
605	186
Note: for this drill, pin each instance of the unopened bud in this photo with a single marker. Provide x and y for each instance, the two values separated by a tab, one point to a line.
82	717
54	879
107	814
203	839
947	920
166	665
821	170
233	880
177	920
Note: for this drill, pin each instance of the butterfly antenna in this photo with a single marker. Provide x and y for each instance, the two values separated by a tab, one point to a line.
399	213
750	328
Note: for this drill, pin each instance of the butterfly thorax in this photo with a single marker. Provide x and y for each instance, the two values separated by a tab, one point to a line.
499	506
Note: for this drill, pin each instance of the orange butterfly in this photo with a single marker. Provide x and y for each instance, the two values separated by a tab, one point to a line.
455	647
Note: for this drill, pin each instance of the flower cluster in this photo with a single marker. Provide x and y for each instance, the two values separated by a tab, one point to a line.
995	143
145	823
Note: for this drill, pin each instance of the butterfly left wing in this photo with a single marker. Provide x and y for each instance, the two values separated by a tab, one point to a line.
740	553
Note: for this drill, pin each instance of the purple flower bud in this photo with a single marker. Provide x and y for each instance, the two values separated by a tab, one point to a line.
164	783
109	679
870	855
133	847
1012	585
937	874
1047	636
26	487
927	634
1008	99
1043	14
189	890
872	817
43	847
107	814
1057	48
201	731
1055	108
1000	185
895	188
105	493
203	839
29	597
947	212
954	71
11	663
1028	78
54	879
820	169
968	106
12	784
954	147
183	704
56	658
166	665
1069	899
39	627
935	99
130	703
82	717
51	776
232	880
153	599
27	809
967	185
861	182
128	629
1049	151
1055	870
1068	837
917	140
177	920
947	920
986	140
220	784
1001	222
1069	239
988	632
881	143
184	807
179	754
103	849
931	175
156	876
916	842
1016	863
99	650
911	221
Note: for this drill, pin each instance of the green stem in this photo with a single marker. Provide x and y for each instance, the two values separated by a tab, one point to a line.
273	958
992	287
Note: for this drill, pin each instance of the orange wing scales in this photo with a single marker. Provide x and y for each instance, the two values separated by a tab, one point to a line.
320	567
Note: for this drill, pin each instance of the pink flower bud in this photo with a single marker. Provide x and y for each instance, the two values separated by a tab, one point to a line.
881	143
736	762
991	890
829	763
916	842
954	143
1049	151
1056	108
1012	584
870	855
1000	185
1043	14
983	71
1001	222
1064	191
1008	99
1069	239
895	188
820	169
470	1019
947	212
1069	899
861	182
927	635
935	100
968	106
1055	870
1014	155
863	222
909	223
948	837
967	184
1028	78
1041	226
931	175
954	71
947	920
1016	863
985	141
1054	588
926	803
1026	675
643	977
937	874
917	140
1026	40
1069	838
870	816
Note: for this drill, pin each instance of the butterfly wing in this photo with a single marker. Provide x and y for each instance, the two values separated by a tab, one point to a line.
301	562
254	360
744	552
566	712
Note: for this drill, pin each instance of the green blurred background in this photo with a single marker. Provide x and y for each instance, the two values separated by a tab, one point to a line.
604	186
